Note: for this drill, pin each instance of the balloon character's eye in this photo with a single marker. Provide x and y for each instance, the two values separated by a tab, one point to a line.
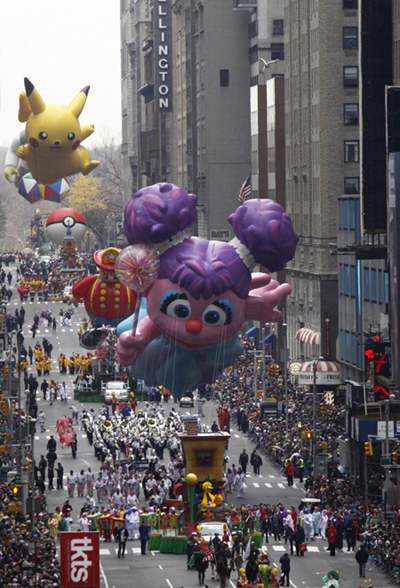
71	136
176	305
218	313
43	136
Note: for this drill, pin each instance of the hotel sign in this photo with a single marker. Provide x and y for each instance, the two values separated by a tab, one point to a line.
162	28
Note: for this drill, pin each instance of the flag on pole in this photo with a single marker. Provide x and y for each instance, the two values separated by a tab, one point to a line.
209	556
245	190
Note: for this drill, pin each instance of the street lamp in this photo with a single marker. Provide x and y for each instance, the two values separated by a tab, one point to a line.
314	439
284	327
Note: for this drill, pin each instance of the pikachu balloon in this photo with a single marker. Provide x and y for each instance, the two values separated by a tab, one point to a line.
54	136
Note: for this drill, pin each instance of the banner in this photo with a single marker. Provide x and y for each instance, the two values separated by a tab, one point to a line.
80	560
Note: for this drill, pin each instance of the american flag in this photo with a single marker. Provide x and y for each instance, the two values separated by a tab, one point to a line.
209	556
245	190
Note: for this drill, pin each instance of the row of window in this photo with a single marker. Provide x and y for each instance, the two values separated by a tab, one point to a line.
350	4
350	350
375	283
350	37
349	214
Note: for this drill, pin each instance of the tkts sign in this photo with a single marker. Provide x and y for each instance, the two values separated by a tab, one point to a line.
80	566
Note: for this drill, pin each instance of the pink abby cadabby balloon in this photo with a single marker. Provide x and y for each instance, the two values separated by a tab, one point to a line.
205	290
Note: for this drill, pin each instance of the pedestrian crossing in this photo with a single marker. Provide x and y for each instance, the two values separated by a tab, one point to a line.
322	548
275	479
128	550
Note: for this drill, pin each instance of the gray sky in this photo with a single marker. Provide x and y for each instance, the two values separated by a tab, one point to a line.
61	46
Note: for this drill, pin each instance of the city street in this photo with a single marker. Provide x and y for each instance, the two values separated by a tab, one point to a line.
164	570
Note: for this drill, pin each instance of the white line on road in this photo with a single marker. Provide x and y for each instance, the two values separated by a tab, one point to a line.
268	485
105	552
230	582
256	485
169	583
86	462
237	436
160	567
104	576
294	486
270	476
281	486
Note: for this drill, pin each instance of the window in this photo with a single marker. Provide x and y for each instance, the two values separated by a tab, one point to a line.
351	114
351	185
366	283
350	4
380	287
253	51
277	51
341	279
352	215
277	27
345	214
224	77
373	285
353	281
386	288
350	38
350	76
351	151
353	350
341	344
340	206
346	280
347	346
253	29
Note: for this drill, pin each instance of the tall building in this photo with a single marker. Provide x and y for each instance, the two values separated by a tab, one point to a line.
322	155
135	25
210	126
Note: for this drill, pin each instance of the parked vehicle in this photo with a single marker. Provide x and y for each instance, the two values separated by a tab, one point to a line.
120	390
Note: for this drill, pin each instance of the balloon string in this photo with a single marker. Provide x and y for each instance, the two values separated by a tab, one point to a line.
136	316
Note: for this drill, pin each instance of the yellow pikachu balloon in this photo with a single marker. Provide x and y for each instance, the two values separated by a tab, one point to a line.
54	135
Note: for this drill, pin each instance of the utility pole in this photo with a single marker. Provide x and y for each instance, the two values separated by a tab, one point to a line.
314	439
284	327
263	362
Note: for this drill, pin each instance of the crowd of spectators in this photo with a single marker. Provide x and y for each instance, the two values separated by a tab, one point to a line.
23	562
338	493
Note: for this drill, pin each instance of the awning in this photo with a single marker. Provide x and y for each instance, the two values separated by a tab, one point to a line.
327	372
308	336
270	339
253	332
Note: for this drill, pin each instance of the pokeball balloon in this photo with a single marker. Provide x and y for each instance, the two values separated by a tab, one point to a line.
62	219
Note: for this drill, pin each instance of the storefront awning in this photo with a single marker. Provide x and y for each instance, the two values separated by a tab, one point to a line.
326	373
308	336
253	332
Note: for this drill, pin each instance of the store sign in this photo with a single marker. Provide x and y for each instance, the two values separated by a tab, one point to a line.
80	561
321	378
220	234
162	27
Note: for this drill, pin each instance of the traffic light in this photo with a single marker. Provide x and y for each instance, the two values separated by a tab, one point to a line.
271	371
276	371
323	408
377	367
17	491
368	448
306	435
394	457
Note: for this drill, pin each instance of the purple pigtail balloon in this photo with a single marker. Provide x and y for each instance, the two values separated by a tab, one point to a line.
158	212
267	231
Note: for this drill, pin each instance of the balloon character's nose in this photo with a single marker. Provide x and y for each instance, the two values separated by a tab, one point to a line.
193	326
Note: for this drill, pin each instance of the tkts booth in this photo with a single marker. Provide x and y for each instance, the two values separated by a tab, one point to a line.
80	560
